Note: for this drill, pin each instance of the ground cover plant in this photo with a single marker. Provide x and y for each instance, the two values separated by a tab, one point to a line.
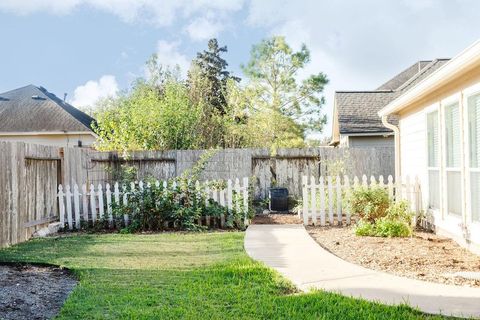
184	276
378	215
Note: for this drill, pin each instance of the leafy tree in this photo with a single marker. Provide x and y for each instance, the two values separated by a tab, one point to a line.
286	107
146	119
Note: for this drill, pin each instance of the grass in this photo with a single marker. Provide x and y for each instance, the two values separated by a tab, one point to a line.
184	276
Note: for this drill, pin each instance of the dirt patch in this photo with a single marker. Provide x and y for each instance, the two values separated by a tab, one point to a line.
33	292
277	218
425	256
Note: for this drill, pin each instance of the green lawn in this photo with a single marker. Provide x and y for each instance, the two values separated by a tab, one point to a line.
183	276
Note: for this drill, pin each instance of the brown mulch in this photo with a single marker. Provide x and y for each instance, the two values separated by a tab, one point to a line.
277	218
425	256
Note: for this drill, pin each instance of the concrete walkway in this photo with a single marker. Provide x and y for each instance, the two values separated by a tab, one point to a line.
291	251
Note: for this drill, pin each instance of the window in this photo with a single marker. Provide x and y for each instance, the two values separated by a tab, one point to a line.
433	160
452	157
474	154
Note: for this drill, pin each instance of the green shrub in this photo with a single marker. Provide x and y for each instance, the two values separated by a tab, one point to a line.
386	227
400	211
397	222
364	228
369	204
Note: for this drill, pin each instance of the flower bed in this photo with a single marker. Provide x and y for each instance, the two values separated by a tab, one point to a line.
424	256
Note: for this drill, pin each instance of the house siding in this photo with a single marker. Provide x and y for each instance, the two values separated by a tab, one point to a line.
59	140
371	142
413	159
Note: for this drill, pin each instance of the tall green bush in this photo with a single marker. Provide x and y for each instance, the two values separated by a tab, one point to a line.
378	216
369	204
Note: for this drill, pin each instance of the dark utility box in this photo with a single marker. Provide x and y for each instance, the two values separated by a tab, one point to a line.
278	199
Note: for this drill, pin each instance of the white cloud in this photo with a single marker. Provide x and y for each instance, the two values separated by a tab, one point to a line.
204	28
156	12
168	54
361	44
88	94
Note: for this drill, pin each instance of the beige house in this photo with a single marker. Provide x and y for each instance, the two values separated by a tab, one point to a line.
438	140
34	115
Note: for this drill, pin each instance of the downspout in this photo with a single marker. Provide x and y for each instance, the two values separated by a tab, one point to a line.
396	133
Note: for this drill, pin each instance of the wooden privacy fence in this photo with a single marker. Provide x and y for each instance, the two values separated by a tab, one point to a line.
326	195
94	203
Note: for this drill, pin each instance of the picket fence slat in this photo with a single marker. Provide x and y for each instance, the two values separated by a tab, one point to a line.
331	192
93	202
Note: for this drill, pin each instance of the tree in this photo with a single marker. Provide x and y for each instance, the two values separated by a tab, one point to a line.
210	69
286	107
146	119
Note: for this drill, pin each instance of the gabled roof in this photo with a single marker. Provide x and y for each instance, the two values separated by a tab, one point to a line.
466	61
357	111
34	109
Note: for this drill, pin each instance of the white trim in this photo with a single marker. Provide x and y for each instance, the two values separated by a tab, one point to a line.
43	133
373	134
463	62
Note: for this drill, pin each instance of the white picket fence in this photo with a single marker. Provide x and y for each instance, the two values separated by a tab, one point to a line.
325	195
95	203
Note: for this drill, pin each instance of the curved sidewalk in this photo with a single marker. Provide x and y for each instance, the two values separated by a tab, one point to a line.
291	251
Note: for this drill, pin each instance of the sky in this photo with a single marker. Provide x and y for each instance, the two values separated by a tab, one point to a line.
91	49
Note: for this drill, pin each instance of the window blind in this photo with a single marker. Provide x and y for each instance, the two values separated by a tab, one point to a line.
452	135
474	130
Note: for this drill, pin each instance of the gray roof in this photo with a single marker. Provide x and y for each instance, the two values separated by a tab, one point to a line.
357	110
34	109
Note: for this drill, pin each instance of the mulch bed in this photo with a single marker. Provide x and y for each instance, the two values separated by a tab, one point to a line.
277	218
425	256
33	292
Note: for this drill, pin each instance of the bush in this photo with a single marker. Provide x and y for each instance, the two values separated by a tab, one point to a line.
369	204
364	228
397	222
386	227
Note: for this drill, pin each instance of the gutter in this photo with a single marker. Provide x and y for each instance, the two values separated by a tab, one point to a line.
396	133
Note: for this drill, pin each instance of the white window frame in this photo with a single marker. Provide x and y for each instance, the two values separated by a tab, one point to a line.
454	218
467	93
428	110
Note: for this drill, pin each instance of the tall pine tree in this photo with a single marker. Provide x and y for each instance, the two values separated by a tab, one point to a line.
210	69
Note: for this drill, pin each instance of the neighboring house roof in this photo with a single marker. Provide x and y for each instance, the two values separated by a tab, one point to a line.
461	65
356	112
34	109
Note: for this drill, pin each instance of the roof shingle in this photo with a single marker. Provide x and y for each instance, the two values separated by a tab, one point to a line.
357	110
34	109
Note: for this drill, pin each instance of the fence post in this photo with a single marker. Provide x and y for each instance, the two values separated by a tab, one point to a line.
93	204
245	199
390	187
125	202
100	201
222	203
304	197
229	198
76	205
364	181
68	195
108	194
339	201
61	205
321	188
330	200
85	203
313	203
198	197
346	187
207	199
